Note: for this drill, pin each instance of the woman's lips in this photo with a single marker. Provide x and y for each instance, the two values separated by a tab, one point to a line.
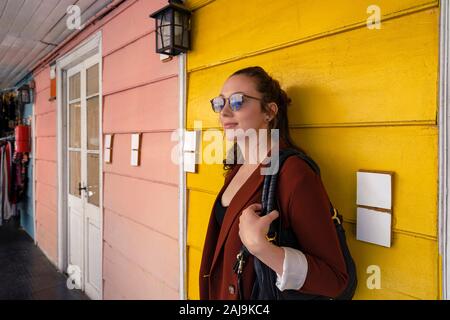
229	125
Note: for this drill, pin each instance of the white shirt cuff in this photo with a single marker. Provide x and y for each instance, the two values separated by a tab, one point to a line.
295	269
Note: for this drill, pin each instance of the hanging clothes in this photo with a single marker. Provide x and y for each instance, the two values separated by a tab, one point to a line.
8	113
2	147
7	203
19	172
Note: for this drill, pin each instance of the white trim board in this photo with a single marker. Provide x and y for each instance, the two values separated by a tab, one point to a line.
444	135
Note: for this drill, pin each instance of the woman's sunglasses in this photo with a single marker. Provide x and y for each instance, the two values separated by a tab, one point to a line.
236	100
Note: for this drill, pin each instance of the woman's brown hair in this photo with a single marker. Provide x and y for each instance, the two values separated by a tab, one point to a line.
272	92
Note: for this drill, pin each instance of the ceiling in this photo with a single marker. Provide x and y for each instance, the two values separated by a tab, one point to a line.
30	29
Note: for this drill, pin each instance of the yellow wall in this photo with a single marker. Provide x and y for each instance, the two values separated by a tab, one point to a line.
362	99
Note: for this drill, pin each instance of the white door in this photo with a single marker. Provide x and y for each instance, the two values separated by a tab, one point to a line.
83	159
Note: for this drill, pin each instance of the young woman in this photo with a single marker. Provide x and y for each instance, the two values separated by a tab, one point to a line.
251	99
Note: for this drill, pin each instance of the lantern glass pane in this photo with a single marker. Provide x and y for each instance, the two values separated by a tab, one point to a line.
164	39
178	28
186	32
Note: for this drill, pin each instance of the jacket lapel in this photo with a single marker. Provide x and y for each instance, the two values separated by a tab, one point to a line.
244	194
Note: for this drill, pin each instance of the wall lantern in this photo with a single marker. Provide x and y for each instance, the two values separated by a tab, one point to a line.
24	94
172	28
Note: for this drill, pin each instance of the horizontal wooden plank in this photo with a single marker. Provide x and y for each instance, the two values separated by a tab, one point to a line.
42	104
46	148
47	195
143	108
196	4
46	125
200	205
42	79
46	243
155	158
133	281
381	149
194	259
341	152
360	77
114	34
136	64
110	291
47	217
409	258
277	22
155	253
46	172
151	204
409	267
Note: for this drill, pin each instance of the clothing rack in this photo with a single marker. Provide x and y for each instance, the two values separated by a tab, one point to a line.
8	138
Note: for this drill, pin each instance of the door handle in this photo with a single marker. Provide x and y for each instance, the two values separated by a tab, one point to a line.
81	188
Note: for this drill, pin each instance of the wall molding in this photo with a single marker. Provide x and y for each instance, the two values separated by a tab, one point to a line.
444	132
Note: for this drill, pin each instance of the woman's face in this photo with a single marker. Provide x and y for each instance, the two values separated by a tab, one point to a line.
250	115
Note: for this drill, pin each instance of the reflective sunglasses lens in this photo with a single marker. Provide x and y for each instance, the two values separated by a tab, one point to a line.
236	101
217	104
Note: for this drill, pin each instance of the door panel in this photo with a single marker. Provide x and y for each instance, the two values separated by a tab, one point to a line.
93	265
84	168
75	241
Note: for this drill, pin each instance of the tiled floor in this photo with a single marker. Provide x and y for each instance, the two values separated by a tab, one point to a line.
25	272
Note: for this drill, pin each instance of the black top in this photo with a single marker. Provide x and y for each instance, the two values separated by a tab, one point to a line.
219	211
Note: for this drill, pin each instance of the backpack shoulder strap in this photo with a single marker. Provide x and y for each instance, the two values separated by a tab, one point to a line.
286	153
270	181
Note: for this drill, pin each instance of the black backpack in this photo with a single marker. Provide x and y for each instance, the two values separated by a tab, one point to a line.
264	287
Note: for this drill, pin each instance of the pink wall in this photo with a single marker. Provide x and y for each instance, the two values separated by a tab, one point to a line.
46	167
140	95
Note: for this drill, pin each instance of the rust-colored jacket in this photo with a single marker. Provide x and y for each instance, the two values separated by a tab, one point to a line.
304	207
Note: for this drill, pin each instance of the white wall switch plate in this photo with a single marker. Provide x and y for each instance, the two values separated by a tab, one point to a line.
135	137
191	139
374	189
134	158
189	162
373	226
108	141
107	155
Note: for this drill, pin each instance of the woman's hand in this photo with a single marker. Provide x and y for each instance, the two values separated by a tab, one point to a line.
253	228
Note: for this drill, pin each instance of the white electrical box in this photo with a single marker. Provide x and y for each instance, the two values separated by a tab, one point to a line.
374	207
190	150
374	189
135	142
374	226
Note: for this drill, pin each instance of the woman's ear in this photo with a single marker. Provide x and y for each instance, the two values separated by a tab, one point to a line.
273	110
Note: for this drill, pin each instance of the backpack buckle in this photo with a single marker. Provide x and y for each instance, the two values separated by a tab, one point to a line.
336	216
271	239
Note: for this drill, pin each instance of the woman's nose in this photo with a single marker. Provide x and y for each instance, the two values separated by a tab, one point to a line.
226	111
